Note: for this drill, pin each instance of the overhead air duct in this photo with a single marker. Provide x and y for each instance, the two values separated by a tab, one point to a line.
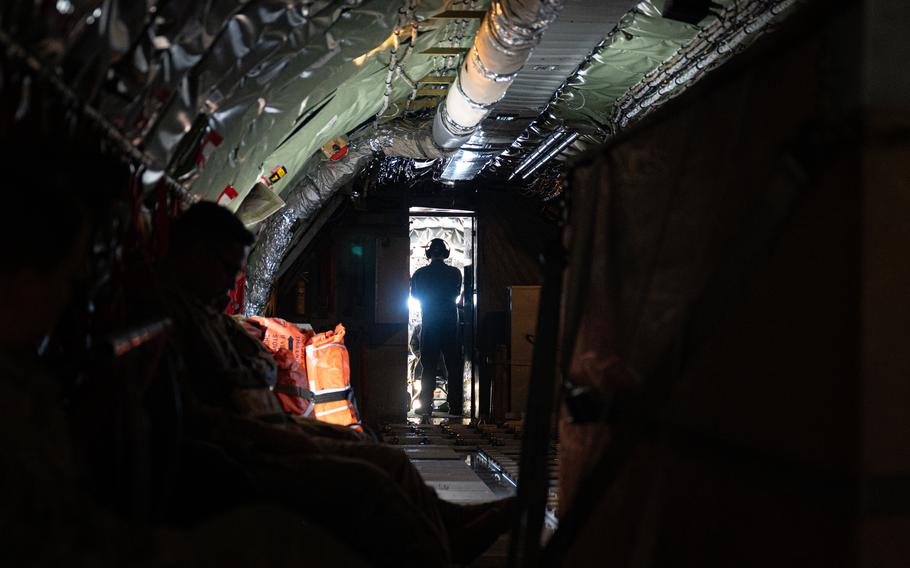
510	30
313	191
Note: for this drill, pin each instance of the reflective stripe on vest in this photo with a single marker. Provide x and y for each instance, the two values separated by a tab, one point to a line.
333	411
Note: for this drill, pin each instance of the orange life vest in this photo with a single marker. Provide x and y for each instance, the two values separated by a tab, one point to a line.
282	333
287	342
329	374
319	386
292	387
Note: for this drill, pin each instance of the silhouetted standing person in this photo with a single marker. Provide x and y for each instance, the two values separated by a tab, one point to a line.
437	286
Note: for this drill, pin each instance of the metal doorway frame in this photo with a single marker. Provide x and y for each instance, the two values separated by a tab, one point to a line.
468	309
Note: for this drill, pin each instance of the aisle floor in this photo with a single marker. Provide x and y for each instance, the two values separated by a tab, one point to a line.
457	474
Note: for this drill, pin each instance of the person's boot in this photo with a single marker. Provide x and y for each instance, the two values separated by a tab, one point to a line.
425	412
474	528
456	408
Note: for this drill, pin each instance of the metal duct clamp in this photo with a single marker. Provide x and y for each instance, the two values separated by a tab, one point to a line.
447	133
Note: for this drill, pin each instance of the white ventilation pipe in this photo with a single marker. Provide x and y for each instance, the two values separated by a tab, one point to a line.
510	30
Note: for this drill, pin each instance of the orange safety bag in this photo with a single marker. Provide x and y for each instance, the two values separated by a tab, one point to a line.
282	333
287	343
329	373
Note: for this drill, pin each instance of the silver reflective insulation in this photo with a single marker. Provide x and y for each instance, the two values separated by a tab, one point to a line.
644	62
401	139
425	228
223	93
175	45
302	203
404	170
242	85
346	107
713	45
407	139
578	29
149	172
515	26
101	39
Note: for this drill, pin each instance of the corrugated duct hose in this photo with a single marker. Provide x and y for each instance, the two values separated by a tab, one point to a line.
508	34
510	30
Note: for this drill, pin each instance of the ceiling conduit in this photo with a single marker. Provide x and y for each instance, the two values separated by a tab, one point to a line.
315	189
510	30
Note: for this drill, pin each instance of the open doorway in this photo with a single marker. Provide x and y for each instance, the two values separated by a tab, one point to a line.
458	229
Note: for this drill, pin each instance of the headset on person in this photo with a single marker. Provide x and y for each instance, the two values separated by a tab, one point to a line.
437	246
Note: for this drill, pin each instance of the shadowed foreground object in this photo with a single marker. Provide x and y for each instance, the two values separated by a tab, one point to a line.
674	315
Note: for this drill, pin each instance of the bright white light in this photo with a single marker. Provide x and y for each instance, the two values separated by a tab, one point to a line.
416	405
97	13
413	304
65	6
